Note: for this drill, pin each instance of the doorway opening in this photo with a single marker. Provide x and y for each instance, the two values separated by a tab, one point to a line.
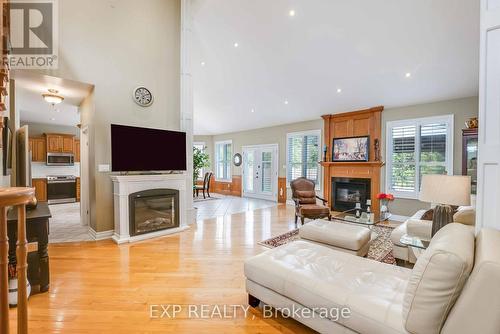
50	111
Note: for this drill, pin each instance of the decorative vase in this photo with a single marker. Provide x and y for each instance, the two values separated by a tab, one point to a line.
384	211
13	291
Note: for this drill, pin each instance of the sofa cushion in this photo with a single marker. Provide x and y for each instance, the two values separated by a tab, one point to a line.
336	234
306	196
438	278
314	210
317	276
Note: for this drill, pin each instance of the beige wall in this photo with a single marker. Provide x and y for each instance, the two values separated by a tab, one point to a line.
38	129
117	48
462	109
271	135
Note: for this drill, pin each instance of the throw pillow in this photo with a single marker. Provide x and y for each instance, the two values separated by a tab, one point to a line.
428	215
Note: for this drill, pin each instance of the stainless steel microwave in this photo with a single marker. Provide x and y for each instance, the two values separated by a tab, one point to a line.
60	159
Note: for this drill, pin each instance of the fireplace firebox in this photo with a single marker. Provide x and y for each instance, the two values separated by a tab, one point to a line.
346	192
153	210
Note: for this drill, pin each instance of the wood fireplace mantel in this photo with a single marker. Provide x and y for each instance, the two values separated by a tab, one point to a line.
366	122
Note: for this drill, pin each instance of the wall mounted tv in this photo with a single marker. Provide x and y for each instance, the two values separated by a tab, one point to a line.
143	149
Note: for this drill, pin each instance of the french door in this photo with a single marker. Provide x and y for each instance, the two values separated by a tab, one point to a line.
260	172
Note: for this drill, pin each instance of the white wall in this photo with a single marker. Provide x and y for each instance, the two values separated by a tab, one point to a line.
117	46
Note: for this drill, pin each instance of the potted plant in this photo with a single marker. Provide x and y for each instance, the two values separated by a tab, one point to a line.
200	160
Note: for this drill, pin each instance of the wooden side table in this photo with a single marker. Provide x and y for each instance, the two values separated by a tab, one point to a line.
18	197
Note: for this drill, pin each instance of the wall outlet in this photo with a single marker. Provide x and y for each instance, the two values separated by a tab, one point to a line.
104	168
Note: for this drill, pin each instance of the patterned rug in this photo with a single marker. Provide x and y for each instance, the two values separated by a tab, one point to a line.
380	248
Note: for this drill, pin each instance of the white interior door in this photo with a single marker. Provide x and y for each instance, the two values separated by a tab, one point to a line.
488	178
260	172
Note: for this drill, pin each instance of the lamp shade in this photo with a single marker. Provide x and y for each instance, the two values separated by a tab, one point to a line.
445	189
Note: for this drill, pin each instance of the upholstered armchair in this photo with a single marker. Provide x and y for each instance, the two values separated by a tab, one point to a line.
304	196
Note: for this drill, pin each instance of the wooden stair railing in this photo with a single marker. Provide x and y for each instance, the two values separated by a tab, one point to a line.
17	197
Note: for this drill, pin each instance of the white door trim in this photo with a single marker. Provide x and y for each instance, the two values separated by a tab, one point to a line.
488	167
84	177
274	196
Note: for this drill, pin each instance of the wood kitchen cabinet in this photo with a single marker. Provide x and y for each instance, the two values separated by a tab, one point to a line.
77	150
40	186
78	189
60	143
38	148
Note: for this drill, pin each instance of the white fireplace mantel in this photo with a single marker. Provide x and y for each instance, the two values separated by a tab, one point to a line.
124	185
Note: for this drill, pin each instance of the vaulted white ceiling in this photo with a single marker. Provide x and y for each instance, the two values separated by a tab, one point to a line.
288	68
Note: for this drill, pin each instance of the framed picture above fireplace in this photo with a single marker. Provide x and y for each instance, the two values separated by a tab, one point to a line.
351	149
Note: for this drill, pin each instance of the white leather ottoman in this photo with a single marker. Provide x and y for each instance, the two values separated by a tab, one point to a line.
343	237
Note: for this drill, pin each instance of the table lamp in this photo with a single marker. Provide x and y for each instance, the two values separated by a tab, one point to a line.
444	191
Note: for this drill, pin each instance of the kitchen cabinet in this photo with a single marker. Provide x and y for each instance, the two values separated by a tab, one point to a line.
40	186
77	150
78	189
60	143
38	149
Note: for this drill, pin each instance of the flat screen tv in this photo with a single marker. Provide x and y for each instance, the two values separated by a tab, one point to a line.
143	149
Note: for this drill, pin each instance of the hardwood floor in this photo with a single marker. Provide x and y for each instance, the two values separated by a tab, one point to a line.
100	287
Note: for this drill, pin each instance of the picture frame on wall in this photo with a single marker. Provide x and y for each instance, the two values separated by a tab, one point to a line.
351	149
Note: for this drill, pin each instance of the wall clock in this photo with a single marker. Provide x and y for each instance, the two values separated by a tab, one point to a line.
237	160
143	96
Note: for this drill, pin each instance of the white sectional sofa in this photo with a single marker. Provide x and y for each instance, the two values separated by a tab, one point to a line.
453	287
416	226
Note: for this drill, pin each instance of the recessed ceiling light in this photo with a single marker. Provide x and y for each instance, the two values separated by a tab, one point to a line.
253	110
408	75
286	102
52	119
339	90
236	45
202	63
291	12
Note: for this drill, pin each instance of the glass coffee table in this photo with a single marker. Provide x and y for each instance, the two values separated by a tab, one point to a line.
415	242
349	216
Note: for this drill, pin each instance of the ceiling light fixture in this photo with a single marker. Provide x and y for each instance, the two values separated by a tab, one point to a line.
52	119
53	97
408	75
236	45
202	63
286	102
291	13
253	110
339	90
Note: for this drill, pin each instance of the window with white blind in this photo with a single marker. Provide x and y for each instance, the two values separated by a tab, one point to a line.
201	146
303	155
223	159
417	147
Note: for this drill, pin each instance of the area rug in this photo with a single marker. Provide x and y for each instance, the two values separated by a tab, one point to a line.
380	248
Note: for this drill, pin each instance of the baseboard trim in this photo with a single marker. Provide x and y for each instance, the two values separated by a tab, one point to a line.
100	235
399	218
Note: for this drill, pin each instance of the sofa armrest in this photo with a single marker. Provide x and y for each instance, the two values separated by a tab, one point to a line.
465	215
419	228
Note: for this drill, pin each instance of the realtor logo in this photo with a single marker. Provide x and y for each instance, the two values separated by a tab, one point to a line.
33	34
